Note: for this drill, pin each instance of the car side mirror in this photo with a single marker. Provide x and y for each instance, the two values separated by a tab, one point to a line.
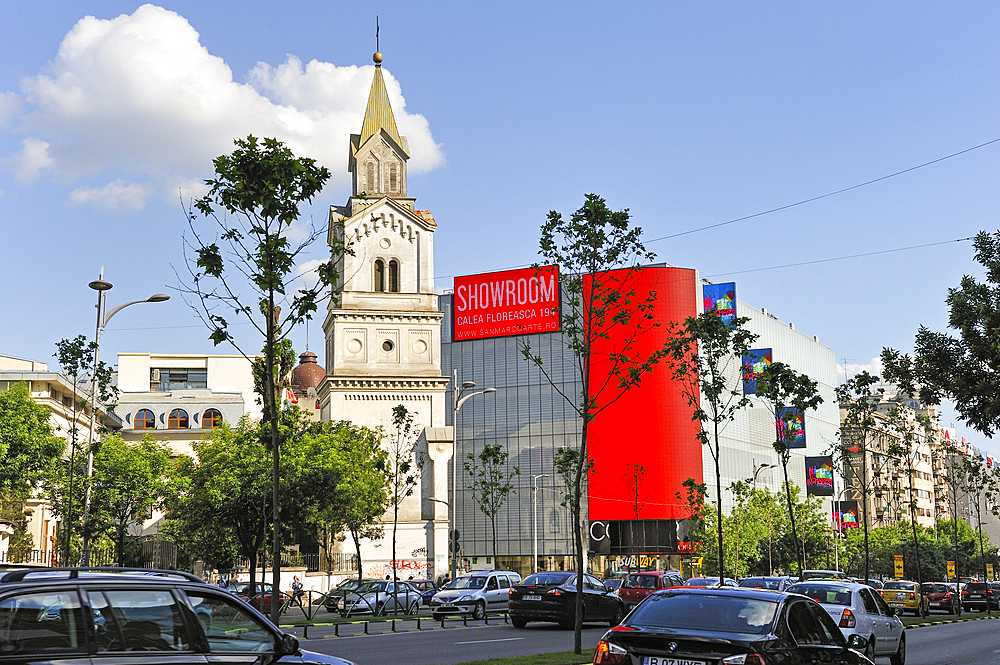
289	645
857	642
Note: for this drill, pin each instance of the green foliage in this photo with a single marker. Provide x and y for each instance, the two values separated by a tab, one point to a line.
402	466
76	359
705	356
129	480
781	386
491	482
599	254
284	363
966	368
28	447
14	509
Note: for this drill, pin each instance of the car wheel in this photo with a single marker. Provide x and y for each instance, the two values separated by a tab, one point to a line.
899	658
870	649
617	617
414	607
518	622
379	609
479	611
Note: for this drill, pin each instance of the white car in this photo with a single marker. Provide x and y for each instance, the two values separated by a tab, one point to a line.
858	610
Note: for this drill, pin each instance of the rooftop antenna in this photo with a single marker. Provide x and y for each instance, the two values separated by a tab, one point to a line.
376	33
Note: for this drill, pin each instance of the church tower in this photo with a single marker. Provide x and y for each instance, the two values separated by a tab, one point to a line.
383	337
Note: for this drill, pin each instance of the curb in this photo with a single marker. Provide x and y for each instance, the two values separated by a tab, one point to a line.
941	623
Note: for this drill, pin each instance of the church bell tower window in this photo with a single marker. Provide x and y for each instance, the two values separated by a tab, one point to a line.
394	276
393	181
378	281
371	185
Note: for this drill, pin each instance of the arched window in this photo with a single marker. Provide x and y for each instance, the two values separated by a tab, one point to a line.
211	419
178	419
370	181
394	276
144	420
378	281
393	184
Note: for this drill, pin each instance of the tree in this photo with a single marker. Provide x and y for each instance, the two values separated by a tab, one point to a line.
28	446
633	478
363	488
129	479
705	358
259	189
858	425
787	394
402	468
965	368
598	254
491	484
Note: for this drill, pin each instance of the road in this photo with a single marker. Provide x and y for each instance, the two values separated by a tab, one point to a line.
965	643
455	643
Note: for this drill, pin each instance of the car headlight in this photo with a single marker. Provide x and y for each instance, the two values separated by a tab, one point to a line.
466	598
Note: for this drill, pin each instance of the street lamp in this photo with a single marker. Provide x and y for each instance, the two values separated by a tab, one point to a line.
457	402
101	286
757	469
534	507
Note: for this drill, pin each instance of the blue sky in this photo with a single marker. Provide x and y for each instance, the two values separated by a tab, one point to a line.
688	114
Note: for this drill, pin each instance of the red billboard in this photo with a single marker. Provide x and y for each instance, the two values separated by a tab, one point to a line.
651	424
509	302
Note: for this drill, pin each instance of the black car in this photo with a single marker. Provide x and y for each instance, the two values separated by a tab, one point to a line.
980	596
551	596
90	616
720	625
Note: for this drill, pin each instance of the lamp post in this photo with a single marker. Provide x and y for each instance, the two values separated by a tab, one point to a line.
757	468
100	286
457	401
534	510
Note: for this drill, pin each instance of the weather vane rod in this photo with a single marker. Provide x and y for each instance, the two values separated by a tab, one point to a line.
376	33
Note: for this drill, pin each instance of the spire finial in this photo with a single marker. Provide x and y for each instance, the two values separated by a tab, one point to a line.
378	56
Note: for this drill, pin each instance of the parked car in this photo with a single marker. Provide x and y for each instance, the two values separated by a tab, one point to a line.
476	594
637	586
771	583
722	625
709	582
123	617
823	575
341	591
427	589
613	584
979	596
260	599
943	596
551	596
858	610
907	596
379	598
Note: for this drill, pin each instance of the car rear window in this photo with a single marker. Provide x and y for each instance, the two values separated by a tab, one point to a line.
935	588
761	583
546	579
905	586
724	613
975	586
828	594
640	582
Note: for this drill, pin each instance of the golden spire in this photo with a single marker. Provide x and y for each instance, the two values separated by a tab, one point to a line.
378	114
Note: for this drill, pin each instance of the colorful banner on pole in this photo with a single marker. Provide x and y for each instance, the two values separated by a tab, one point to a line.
754	364
845	515
951	570
791	427
899	566
989	572
721	299
819	475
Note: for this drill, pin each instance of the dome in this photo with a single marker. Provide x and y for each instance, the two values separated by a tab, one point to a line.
307	374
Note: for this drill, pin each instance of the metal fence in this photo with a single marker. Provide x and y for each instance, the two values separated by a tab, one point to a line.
148	554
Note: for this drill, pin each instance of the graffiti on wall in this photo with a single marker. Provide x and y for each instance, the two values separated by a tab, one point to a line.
403	568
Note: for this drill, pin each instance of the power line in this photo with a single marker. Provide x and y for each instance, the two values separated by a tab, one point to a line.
827	195
841	258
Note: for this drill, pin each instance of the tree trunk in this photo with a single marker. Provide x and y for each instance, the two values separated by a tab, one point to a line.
493	524
357	546
864	499
275	460
577	536
791	513
718	502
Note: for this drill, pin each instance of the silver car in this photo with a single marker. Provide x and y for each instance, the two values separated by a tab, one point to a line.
379	598
858	610
476	594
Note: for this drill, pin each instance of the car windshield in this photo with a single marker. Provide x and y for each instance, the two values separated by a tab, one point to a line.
728	613
828	594
762	582
639	582
372	587
546	579
468	583
905	586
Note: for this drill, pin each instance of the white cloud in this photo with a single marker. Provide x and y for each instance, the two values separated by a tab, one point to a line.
33	159
118	196
140	91
10	106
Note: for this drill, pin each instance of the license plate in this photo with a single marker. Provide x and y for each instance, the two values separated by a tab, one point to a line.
663	660
532	597
935	604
